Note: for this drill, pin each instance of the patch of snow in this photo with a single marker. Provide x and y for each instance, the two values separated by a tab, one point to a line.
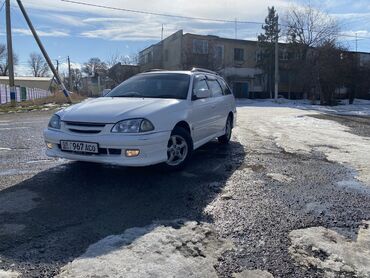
9	274
358	108
293	131
172	249
331	252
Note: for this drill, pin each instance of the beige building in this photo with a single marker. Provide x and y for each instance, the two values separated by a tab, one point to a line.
29	82
234	59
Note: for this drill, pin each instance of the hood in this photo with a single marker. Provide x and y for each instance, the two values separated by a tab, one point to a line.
114	109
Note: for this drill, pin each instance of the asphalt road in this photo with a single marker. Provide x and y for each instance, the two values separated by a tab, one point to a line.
52	210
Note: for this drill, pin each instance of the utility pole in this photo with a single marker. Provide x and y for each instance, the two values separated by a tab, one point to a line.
69	74
277	57
46	56
236	28
356	41
57	65
10	53
162	33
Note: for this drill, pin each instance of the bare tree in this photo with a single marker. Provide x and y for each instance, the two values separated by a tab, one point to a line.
39	67
76	78
4	65
116	58
311	35
309	26
93	66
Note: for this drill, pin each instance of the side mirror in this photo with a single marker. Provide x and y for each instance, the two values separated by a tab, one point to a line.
105	92
201	93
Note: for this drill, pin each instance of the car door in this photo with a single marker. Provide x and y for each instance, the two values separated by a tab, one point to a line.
202	115
220	109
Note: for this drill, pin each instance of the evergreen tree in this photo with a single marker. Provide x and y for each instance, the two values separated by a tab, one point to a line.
266	49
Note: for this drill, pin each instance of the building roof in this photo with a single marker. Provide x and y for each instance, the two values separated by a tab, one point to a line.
27	78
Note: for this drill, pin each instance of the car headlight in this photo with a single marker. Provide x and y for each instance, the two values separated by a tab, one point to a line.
54	122
133	126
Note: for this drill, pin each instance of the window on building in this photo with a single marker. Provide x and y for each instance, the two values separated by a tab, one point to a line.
259	56
150	57
215	88
283	55
219	52
257	80
238	54
200	46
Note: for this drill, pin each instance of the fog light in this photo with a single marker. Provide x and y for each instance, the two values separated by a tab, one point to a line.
132	153
49	145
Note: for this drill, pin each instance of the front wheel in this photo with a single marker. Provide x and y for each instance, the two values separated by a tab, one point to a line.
179	149
224	139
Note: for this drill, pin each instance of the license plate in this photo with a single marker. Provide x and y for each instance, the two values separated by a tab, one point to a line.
76	146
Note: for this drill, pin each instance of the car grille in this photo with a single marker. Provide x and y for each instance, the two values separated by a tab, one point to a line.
101	151
85	128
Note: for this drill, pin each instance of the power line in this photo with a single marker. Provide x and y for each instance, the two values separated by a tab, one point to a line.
2	6
184	17
158	14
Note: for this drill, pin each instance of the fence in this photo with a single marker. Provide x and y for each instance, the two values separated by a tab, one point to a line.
22	93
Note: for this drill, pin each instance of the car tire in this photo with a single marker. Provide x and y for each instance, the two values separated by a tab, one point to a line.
179	149
225	139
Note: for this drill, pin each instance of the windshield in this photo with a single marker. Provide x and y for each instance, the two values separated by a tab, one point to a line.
161	85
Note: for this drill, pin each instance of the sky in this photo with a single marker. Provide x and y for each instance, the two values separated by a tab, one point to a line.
82	32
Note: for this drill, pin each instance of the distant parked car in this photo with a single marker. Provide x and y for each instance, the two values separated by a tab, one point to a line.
153	117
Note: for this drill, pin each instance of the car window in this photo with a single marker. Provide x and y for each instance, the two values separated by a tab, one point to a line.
200	84
160	85
226	90
215	88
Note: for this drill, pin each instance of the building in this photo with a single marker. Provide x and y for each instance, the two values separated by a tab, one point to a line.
235	60
29	82
120	72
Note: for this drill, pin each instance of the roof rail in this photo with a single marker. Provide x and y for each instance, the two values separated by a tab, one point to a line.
203	70
154	70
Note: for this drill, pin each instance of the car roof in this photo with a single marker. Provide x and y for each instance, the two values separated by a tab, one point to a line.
187	72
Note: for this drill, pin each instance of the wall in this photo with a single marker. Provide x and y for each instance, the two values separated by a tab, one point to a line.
31	82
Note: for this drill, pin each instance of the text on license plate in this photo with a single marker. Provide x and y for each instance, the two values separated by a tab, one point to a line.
79	146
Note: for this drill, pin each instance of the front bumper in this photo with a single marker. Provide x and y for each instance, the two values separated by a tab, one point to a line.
153	147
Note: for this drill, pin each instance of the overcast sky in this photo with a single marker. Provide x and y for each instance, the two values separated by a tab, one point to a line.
83	32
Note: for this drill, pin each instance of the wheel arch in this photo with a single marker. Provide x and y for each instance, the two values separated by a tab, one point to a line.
184	125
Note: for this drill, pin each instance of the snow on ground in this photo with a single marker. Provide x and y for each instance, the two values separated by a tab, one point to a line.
296	132
331	252
8	274
174	249
360	107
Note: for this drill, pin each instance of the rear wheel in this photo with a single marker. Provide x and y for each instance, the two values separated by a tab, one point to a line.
224	139
179	149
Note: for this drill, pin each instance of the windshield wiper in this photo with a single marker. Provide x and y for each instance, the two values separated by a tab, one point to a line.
165	96
130	94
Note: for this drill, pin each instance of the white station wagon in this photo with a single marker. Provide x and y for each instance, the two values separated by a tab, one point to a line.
153	117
